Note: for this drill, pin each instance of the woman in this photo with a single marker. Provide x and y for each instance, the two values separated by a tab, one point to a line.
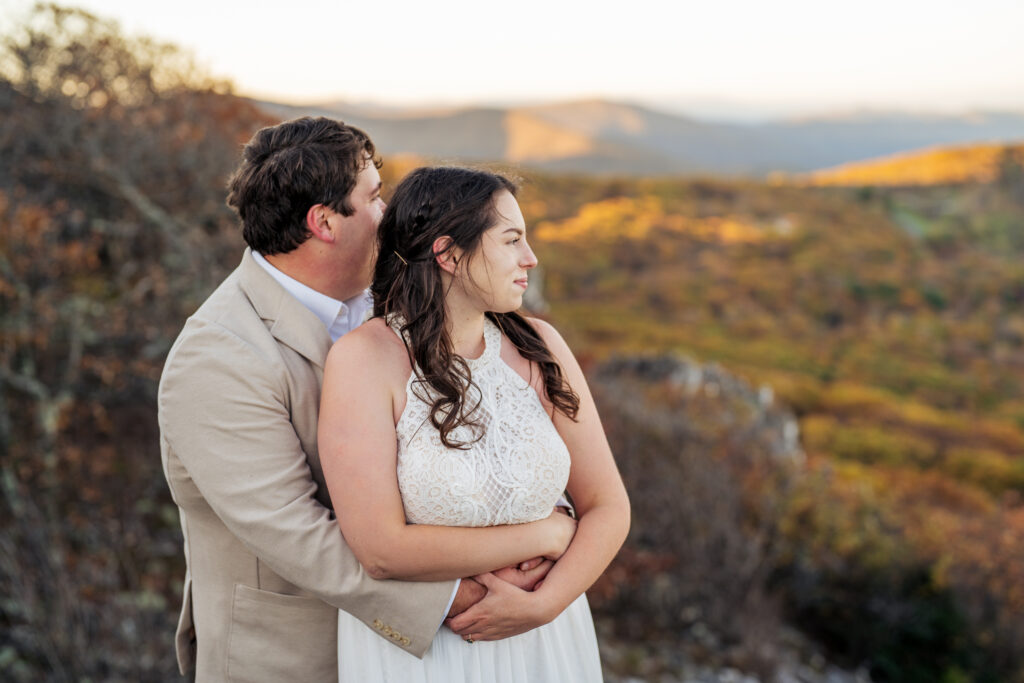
451	411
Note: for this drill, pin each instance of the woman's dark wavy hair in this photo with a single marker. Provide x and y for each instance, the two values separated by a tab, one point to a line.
427	204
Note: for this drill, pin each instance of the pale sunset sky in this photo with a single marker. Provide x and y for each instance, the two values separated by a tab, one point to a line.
787	57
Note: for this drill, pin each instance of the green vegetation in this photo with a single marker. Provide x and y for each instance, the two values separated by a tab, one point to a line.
890	319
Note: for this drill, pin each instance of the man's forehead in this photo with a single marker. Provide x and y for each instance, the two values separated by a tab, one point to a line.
369	177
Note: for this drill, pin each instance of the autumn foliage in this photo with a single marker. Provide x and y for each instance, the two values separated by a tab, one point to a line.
889	319
112	229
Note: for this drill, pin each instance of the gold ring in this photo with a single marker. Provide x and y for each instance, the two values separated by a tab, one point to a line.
469	639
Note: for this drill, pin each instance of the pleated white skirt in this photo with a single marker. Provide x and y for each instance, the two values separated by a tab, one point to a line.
563	651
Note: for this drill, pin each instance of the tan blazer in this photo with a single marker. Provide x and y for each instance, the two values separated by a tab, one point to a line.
267	567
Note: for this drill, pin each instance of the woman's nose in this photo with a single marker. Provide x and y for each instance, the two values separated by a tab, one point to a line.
529	258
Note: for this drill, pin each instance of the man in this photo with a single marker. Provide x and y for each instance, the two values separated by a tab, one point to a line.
267	567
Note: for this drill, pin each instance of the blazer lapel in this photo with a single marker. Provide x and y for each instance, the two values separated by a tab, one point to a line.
291	323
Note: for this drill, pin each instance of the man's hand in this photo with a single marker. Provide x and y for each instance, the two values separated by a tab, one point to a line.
470	592
505	611
526	575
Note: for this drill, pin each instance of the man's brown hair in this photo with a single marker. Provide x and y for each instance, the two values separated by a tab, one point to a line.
288	168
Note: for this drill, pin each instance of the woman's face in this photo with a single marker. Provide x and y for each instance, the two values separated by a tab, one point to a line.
497	272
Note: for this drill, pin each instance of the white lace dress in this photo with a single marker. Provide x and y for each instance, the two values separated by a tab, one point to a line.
514	474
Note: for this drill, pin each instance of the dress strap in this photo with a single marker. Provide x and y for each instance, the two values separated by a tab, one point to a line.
492	346
395	322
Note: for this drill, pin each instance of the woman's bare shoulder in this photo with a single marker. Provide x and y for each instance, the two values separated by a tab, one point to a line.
552	339
372	345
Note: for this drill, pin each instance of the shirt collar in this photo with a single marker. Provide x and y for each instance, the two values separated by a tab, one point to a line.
326	308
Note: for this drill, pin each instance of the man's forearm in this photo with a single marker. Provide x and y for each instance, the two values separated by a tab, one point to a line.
468	594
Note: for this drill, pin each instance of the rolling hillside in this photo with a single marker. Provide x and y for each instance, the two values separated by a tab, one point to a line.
935	166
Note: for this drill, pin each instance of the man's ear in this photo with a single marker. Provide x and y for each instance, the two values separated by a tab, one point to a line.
316	222
445	254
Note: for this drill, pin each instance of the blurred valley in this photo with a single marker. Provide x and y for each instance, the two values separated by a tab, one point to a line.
812	376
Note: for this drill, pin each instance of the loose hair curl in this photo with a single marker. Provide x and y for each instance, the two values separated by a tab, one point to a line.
407	286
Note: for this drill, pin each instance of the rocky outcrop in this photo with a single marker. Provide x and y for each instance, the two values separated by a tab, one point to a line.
708	461
706	401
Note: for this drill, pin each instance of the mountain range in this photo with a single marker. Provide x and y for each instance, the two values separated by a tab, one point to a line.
606	137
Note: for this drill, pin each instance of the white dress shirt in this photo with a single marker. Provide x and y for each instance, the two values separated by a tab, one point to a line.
339	317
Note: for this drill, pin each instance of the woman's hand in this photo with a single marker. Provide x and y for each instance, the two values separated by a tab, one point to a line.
562	528
505	611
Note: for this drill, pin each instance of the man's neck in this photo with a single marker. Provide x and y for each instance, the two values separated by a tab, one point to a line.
310	271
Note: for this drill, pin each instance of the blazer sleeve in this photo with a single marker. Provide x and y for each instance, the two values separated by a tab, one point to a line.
223	410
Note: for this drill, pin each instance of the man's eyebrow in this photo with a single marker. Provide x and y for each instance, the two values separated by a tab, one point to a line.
512	228
377	189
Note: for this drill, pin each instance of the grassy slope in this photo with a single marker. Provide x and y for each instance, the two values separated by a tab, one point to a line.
890	319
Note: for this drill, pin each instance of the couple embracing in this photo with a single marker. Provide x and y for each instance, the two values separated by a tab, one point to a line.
381	500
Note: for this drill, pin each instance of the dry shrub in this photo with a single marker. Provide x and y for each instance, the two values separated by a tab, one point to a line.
707	461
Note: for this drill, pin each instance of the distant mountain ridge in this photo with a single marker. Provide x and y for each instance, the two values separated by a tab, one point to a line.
605	137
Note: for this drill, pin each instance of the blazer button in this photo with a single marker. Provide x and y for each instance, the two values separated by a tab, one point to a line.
405	641
378	624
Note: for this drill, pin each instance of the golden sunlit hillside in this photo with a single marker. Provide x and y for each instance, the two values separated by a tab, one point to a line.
530	138
625	217
936	166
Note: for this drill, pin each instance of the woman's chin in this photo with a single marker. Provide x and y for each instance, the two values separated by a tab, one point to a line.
508	307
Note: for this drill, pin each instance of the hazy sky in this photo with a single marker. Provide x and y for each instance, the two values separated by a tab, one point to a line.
785	55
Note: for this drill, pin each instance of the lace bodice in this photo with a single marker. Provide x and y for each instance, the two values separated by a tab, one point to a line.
513	474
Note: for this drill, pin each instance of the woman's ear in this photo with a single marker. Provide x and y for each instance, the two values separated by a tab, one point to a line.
316	222
445	254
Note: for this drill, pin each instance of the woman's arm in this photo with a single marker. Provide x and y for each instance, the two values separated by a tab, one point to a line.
601	505
365	371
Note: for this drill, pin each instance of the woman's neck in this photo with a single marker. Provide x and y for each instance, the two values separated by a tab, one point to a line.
466	330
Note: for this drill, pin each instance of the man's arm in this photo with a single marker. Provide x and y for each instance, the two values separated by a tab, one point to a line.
226	417
469	593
